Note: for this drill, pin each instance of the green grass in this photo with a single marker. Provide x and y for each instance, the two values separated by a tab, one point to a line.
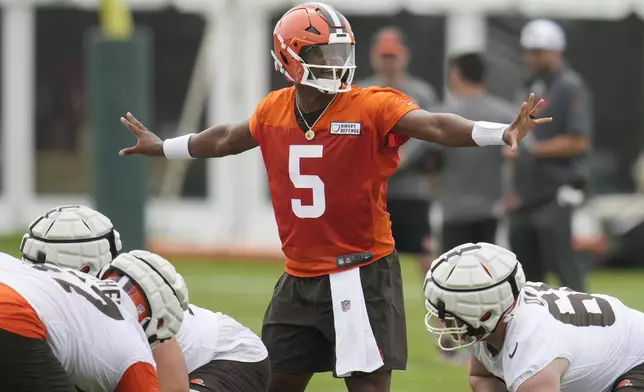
242	290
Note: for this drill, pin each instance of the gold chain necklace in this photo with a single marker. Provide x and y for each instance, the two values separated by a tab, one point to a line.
309	135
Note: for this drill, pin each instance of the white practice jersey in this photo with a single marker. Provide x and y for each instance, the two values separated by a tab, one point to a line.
94	338
206	336
600	336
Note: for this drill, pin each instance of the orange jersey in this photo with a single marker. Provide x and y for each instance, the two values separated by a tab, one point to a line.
329	193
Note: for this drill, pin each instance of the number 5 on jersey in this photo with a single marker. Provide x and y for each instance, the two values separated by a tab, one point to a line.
306	181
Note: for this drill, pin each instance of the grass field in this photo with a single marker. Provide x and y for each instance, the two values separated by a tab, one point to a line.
242	290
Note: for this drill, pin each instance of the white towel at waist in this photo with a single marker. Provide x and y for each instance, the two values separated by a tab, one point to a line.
356	349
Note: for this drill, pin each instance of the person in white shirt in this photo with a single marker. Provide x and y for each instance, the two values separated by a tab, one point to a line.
63	330
526	336
211	352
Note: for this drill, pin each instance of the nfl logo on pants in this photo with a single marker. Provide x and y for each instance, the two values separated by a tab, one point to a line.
346	305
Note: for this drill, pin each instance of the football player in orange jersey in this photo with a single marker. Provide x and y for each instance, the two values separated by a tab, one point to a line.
328	148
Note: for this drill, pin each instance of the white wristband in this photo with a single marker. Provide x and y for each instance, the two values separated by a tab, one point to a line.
487	133
177	147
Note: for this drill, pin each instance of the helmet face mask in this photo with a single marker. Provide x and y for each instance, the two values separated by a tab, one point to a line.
450	332
135	293
328	65
467	292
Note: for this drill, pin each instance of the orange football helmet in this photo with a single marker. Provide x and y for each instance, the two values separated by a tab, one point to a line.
313	45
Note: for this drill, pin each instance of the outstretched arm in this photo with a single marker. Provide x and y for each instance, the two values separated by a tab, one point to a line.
445	129
217	141
221	140
455	131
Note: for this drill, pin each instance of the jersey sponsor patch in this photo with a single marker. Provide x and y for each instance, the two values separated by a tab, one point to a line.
345	128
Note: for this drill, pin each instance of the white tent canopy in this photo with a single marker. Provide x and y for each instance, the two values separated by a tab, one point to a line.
590	9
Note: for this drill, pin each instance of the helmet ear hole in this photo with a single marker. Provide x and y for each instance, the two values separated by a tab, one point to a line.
284	59
486	316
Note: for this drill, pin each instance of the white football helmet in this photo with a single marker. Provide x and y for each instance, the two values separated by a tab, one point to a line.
467	292
75	237
151	280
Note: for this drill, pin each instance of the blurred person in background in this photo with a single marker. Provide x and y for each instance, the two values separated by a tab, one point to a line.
409	192
549	172
470	178
389	60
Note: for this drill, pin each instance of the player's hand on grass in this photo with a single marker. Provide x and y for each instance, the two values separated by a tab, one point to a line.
147	142
525	122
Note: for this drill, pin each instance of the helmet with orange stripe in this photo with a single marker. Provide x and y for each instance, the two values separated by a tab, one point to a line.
157	294
315	46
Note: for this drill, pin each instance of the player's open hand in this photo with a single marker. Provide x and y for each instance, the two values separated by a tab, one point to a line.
525	122
147	142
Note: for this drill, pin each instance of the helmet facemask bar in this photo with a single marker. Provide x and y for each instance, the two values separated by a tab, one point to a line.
448	331
328	67
129	286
